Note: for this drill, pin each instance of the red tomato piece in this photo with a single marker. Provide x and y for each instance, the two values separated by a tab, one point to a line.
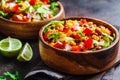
59	44
16	18
24	19
77	36
46	35
16	8
66	30
88	43
32	2
76	48
87	31
72	29
45	1
83	21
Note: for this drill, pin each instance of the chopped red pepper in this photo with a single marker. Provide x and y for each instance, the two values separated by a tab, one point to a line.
46	35
16	18
66	30
32	2
24	19
87	31
83	21
45	1
88	43
77	36
72	29
16	8
20	18
59	44
75	48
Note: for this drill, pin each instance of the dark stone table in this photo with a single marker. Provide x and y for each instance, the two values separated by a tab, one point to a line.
107	10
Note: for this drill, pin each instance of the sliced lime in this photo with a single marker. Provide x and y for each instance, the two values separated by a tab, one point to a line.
10	47
25	54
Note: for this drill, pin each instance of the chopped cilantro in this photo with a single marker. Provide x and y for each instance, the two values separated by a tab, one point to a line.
54	36
83	35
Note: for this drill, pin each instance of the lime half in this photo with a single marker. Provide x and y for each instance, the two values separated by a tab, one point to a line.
25	54
10	47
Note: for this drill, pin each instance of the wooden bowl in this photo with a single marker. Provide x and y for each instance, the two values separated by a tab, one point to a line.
80	63
26	30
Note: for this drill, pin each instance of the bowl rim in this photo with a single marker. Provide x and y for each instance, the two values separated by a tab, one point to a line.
57	15
73	52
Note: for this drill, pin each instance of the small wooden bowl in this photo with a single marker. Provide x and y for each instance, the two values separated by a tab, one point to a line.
80	63
26	30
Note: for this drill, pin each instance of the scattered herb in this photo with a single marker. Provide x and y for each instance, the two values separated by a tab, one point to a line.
46	29
83	35
11	76
54	5
54	36
3	14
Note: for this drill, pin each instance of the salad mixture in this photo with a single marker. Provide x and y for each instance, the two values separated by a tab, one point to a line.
78	35
28	10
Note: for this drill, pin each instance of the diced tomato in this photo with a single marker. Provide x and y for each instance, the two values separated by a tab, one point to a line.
50	15
87	31
24	19
16	18
16	8
46	35
6	10
83	21
75	48
66	30
59	44
72	29
45	1
88	43
32	2
77	36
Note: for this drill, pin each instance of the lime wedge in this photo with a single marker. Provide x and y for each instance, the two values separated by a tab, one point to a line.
25	54
10	47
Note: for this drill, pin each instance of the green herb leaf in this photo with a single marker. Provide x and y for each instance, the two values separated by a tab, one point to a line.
3	14
54	36
106	44
54	5
57	22
42	10
12	76
80	33
106	38
18	1
114	36
46	29
2	78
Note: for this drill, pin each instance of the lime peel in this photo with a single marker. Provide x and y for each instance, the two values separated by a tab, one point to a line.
25	54
10	47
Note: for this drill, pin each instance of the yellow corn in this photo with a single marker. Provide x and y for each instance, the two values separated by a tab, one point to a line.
61	27
105	30
69	33
62	35
34	20
72	43
95	37
90	23
52	44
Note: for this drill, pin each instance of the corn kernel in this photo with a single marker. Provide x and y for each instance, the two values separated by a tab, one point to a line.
95	37
72	43
105	30
52	44
62	35
69	33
